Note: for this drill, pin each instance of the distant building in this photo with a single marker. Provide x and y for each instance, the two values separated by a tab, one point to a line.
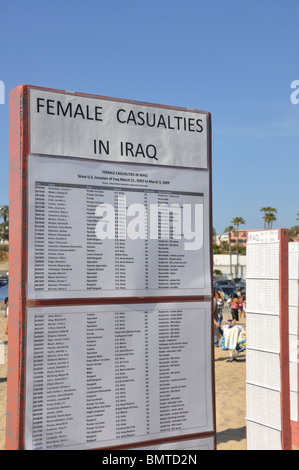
236	235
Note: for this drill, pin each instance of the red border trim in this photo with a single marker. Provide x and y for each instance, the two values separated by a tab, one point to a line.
284	340
17	262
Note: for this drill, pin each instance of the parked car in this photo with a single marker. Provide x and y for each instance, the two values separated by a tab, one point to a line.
241	285
3	281
227	291
3	293
224	282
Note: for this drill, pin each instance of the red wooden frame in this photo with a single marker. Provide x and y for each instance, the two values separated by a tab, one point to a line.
18	143
284	340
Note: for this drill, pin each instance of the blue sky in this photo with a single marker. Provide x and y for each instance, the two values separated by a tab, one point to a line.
234	58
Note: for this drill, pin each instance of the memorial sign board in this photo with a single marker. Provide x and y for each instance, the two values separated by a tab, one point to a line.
267	341
111	279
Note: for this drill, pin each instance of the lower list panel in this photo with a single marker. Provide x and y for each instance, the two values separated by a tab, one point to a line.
112	375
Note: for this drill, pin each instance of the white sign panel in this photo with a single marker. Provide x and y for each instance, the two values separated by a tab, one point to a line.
97	230
265	344
102	376
118	212
105	129
267	236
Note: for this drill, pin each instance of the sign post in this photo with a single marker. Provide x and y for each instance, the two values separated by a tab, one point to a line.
110	335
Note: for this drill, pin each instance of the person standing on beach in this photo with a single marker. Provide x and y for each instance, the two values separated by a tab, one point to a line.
241	306
235	305
218	317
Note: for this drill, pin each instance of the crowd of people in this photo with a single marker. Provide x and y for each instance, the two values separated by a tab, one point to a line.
237	306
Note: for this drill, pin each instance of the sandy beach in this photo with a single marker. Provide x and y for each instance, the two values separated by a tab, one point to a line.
230	379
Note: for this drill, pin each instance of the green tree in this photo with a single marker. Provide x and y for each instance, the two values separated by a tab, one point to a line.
4	231
4	213
270	217
293	233
237	221
4	227
217	272
214	234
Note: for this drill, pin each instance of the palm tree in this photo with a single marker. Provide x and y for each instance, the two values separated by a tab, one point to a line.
264	210
229	230
298	216
214	234
269	219
237	221
268	216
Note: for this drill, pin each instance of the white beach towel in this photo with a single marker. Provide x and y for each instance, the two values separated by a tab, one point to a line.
231	336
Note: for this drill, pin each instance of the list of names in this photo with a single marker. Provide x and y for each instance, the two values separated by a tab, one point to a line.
114	375
126	263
